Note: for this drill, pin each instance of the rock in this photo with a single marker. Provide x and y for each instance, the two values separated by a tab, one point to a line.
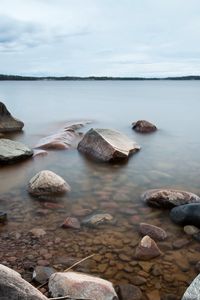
107	145
11	152
7	122
193	291
37	232
128	292
97	219
70	222
147	249
47	183
153	295
190	230
168	198
138	280
188	214
39	152
13	287
180	243
143	126
79	285
154	232
41	274
3	217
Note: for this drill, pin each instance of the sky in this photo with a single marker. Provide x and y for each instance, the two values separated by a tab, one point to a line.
148	38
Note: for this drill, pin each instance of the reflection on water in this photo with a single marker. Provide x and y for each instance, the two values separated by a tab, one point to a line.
168	158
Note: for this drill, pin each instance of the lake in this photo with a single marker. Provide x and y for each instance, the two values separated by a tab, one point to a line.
168	158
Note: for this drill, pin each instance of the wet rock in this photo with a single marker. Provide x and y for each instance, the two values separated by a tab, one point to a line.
41	274
147	249
153	295
70	222
107	145
128	292
37	232
39	152
168	198
138	280
188	214
154	232
197	267
193	291
7	122
80	285
180	243
3	217
143	126
11	151
98	219
47	183
13	287
190	230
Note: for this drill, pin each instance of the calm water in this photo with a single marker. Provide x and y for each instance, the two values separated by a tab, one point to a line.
168	158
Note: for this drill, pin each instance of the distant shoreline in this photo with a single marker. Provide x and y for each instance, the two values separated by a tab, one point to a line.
29	78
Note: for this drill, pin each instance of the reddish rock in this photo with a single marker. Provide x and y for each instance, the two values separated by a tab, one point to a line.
147	249
143	126
70	222
154	232
129	292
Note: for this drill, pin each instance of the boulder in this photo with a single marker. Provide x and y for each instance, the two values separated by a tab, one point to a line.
154	232
143	126
81	286
13	287
147	249
107	145
11	151
193	291
98	219
168	198
188	214
7	122
47	183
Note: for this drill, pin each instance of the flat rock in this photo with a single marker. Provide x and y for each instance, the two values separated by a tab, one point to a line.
188	214
71	222
154	232
129	292
193	291
41	274
98	219
38	232
7	122
46	183
143	126
147	249
13	287
168	198
11	151
190	229
81	286
107	145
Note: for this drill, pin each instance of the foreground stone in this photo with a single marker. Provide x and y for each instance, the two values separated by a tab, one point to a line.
13	287
168	198
193	291
154	232
107	145
98	219
71	222
81	286
11	151
143	126
188	214
41	274
46	183
129	292
7	122
147	249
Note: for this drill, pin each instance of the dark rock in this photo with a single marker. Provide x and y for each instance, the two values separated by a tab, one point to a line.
7	122
128	292
3	217
193	291
98	219
143	126
11	152
147	249
188	214
168	198
107	145
180	243
154	232
41	274
70	222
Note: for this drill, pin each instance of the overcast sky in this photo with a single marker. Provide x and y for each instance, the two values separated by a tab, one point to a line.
100	37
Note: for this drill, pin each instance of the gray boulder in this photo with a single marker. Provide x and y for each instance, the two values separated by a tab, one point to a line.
7	122
193	291
11	151
107	145
188	214
13	287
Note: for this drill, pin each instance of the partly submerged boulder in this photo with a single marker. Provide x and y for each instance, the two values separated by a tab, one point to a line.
46	183
188	214
107	145
193	291
11	151
153	231
7	122
168	198
147	249
143	126
81	286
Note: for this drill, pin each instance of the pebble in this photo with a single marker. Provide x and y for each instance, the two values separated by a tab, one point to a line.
190	229
153	231
38	232
180	243
129	292
70	222
138	280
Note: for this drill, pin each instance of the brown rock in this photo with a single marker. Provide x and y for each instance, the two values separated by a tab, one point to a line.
70	222
153	295
143	126
147	249
138	280
128	292
180	243
7	122
154	232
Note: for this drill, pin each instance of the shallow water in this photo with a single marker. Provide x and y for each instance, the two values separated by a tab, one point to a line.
168	158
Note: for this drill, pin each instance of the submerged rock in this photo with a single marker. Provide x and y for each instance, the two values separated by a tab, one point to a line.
154	232
11	151
3	217
190	229
13	287
81	286
38	232
107	145
144	126
129	292
7	122
188	214
46	183
193	291
147	249
97	219
41	274
168	198
70	222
